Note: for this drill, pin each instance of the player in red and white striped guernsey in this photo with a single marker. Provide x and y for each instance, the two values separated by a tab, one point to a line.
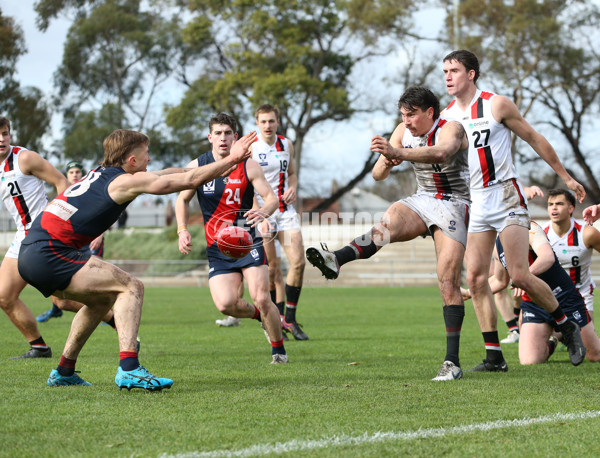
23	176
275	154
440	207
573	242
499	205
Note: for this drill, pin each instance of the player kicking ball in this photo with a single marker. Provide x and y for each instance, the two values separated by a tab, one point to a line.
440	208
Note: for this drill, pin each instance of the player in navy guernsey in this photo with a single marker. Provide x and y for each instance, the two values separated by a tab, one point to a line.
50	258
22	177
538	327
74	172
440	207
226	201
498	202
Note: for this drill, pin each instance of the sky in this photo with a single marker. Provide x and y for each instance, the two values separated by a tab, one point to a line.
331	150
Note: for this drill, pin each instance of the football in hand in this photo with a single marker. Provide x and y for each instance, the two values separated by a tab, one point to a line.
234	242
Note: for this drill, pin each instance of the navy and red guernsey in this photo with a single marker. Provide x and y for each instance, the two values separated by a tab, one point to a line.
223	202
81	213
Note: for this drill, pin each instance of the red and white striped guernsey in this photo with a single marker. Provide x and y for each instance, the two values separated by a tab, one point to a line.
447	180
573	255
24	195
274	160
490	158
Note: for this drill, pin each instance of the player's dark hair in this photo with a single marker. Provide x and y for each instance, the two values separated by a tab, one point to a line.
223	118
119	144
267	108
563	192
74	165
467	58
5	122
419	97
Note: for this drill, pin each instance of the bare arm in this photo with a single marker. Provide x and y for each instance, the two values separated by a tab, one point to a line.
31	163
506	112
591	238
452	138
541	246
127	187
263	188
182	216
383	166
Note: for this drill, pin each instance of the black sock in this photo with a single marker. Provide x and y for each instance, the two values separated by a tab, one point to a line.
493	352
112	322
513	325
517	312
66	366
559	316
453	318
362	247
280	307
39	345
55	309
273	295
292	294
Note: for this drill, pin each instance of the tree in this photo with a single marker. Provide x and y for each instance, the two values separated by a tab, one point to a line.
298	55
116	57
543	52
26	108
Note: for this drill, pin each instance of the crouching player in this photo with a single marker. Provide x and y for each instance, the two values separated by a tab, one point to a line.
537	342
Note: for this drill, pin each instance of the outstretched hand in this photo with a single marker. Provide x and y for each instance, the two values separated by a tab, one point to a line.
577	188
591	214
382	146
240	151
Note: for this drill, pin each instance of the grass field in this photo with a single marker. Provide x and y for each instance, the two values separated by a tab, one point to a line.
359	387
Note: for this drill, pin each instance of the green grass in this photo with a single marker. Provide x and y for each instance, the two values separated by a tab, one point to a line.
227	396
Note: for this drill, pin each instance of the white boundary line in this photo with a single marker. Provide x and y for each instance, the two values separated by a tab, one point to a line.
344	440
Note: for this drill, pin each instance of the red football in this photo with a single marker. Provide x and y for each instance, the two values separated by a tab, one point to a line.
234	242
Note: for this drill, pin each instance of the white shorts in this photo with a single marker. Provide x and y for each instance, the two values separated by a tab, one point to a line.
587	292
15	246
499	206
450	216
284	221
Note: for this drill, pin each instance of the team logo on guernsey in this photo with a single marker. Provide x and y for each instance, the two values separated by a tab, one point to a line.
254	254
577	315
473	125
262	157
452	226
209	188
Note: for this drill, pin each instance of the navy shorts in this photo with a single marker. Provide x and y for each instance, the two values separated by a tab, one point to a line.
49	267
223	265
572	304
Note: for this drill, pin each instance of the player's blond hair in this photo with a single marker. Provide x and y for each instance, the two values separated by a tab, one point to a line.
267	108
119	144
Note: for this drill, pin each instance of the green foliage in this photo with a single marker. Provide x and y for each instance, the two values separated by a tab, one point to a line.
296	55
25	107
365	370
542	54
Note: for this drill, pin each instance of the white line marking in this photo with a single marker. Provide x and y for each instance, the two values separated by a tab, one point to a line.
344	440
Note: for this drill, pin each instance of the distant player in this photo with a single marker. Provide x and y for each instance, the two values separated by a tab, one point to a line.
440	208
573	242
275	154
227	201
